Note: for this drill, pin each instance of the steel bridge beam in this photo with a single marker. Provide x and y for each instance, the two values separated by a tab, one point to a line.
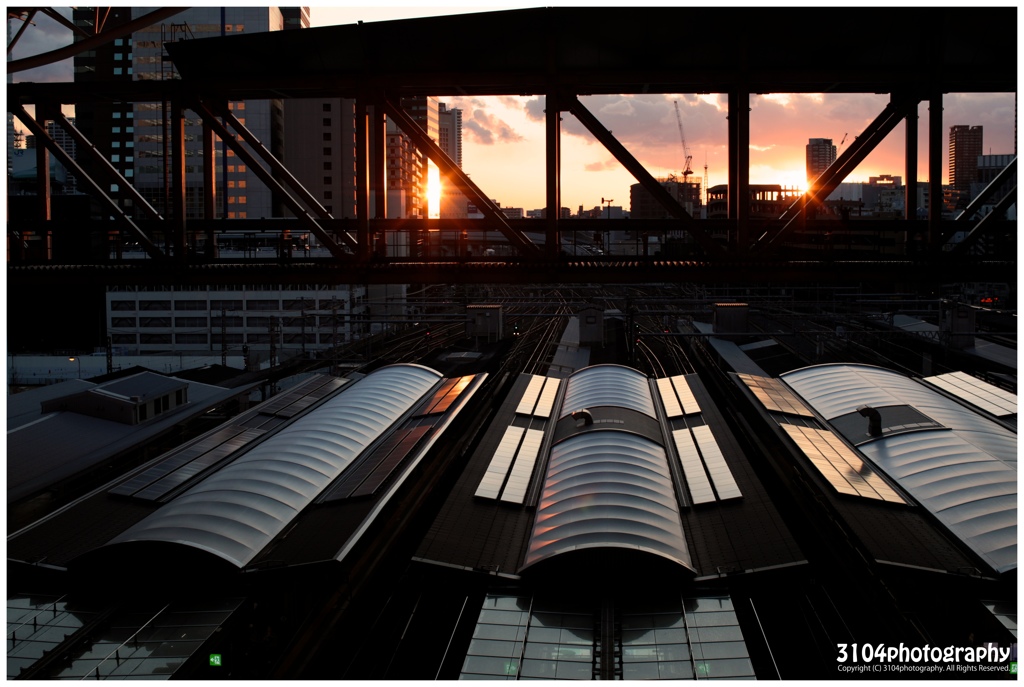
553	173
989	191
210	119
86	148
98	39
986	222
890	274
119	215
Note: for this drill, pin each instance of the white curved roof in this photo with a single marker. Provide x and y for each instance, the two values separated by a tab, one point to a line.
608	489
608	385
966	475
238	510
973	495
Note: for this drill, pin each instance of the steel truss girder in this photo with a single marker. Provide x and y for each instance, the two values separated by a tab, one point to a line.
627	160
990	219
86	146
98	39
266	176
41	136
989	191
894	112
280	170
451	172
25	23
818	272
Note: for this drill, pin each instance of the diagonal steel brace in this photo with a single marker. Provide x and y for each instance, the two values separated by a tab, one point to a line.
456	175
267	177
69	162
627	160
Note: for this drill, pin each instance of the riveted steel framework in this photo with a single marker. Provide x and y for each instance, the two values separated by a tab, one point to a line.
561	54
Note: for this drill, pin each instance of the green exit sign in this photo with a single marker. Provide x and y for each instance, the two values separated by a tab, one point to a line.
215	660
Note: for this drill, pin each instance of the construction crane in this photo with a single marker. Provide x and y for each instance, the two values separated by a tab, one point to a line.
842	141
686	151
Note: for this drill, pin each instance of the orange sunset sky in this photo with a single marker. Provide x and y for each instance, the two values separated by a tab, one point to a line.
503	137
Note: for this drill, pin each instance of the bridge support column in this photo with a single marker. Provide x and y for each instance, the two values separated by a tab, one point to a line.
935	200
739	164
363	154
553	164
178	183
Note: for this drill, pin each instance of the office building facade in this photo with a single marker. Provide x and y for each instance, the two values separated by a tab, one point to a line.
965	145
286	319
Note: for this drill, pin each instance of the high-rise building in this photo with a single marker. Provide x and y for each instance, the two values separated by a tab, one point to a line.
135	136
454	204
319	151
405	176
450	132
965	145
424	111
241	194
109	125
821	153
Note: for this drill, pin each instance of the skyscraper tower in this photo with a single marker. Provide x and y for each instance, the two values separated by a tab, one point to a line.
450	132
134	136
965	145
821	153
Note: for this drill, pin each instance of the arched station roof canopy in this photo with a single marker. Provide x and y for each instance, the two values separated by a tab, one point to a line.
608	495
237	511
958	464
608	385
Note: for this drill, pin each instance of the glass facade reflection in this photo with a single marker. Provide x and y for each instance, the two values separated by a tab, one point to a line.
149	641
38	624
692	638
667	638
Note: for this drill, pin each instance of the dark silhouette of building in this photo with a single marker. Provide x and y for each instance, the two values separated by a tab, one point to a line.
965	145
821	153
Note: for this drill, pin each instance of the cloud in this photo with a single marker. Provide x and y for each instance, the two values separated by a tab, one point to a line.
601	166
534	109
487	129
43	35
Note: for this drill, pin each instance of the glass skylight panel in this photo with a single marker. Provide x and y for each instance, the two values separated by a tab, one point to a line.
983	395
546	401
721	476
668	398
608	489
443	398
182	457
529	399
775	396
686	397
522	470
490	485
387	463
608	385
837	463
693	468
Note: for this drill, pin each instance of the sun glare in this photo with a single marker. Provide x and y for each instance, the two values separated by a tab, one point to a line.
433	190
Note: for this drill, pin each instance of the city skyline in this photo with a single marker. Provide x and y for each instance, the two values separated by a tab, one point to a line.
504	135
